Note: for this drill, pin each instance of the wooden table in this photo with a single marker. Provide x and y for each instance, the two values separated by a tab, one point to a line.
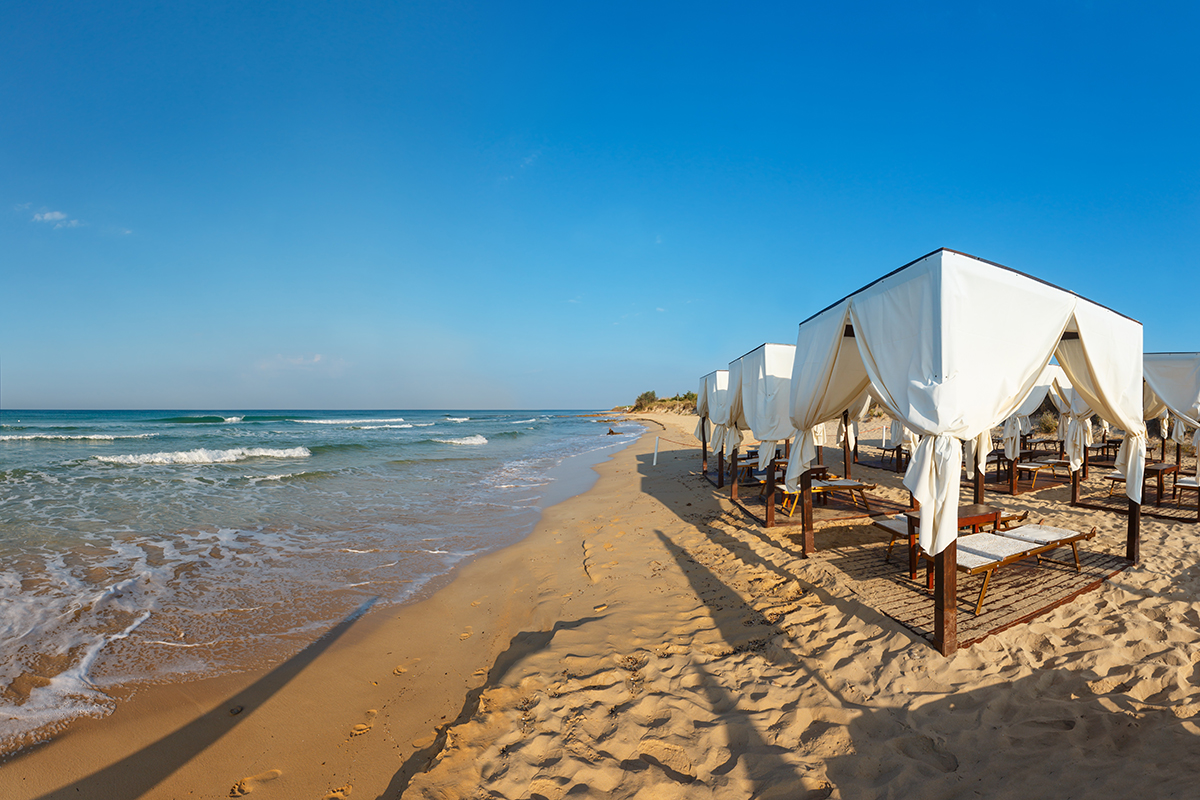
972	515
1160	472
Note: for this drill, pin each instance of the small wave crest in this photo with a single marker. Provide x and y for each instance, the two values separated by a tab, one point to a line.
458	419
205	456
472	440
521	421
350	421
98	437
376	427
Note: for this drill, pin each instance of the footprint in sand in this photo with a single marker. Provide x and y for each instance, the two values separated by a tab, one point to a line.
363	727
600	607
340	793
247	785
400	670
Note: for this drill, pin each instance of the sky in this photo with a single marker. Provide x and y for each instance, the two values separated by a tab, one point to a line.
397	205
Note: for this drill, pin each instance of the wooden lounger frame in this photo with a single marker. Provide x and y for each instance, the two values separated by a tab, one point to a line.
1035	550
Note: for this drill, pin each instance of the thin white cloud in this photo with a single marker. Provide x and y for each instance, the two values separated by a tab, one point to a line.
660	309
59	219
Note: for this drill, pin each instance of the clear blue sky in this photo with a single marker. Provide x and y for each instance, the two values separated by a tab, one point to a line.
556	205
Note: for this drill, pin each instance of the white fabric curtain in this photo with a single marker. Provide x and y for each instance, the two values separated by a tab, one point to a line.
856	412
1174	381
737	415
717	384
1105	366
766	392
702	407
826	377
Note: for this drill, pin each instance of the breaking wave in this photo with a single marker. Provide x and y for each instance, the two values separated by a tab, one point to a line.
204	456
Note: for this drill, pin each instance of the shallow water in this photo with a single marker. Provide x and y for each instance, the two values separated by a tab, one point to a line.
157	545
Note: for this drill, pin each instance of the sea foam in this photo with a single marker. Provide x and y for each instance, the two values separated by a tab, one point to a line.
204	456
476	439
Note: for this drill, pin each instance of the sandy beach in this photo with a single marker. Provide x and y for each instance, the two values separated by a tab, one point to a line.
650	640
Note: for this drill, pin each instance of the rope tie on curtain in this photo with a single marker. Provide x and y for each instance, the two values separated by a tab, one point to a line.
1079	437
718	437
933	478
803	454
733	438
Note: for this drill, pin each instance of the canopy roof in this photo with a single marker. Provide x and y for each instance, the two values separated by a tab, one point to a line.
918	339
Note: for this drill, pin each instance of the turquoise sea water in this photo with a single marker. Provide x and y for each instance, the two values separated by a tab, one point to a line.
142	545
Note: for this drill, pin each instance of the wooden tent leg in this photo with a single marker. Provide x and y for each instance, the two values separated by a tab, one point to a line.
721	468
770	513
978	483
704	445
1075	488
945	590
1134	535
733	475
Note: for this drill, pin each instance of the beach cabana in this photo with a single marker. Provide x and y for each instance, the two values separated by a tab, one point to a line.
914	338
764	376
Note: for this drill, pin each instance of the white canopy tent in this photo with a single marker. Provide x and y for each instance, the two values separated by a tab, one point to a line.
914	339
1173	384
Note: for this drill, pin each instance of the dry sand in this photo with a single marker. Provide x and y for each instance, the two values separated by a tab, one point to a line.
648	640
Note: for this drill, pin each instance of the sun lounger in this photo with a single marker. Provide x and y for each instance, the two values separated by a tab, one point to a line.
827	485
1035	467
896	527
987	552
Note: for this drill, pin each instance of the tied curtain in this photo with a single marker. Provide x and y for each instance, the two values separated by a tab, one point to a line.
1104	365
702	407
766	389
737	413
1173	381
915	340
717	384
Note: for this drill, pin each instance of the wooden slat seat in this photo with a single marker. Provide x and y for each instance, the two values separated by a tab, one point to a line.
987	552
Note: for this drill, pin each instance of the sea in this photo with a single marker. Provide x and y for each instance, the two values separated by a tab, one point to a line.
154	546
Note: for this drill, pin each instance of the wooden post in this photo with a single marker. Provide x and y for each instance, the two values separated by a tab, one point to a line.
770	515
945	592
979	479
704	445
1075	487
721	468
733	475
1012	476
1134	534
846	444
806	516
